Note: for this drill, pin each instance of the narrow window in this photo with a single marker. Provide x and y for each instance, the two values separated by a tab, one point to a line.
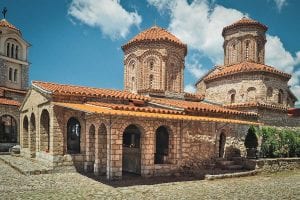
7	49
10	74
12	51
247	50
15	75
232	98
17	52
151	65
280	96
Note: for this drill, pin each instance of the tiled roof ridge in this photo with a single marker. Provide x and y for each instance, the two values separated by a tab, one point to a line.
245	66
258	104
155	33
69	89
5	23
13	90
245	21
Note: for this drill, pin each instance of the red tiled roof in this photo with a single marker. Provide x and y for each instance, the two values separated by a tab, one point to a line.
155	33
256	104
294	112
4	101
5	23
72	90
135	108
244	67
245	22
197	97
201	107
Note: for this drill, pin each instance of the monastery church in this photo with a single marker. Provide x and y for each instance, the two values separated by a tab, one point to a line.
152	127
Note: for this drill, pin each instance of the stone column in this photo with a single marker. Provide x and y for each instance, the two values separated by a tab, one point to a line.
114	154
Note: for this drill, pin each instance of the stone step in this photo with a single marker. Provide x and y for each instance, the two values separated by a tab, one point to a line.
233	167
225	162
25	166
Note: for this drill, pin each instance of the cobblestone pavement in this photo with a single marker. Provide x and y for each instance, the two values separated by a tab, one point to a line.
14	185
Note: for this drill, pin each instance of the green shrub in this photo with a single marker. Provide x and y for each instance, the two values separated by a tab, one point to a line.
251	138
279	142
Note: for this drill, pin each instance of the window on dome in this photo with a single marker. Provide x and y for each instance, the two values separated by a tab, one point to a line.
247	50
12	51
16	75
17	52
7	49
151	81
280	97
10	74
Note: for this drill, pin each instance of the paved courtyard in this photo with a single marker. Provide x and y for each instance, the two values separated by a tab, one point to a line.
14	185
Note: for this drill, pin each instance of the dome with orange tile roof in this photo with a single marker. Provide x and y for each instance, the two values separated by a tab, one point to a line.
5	23
152	34
245	22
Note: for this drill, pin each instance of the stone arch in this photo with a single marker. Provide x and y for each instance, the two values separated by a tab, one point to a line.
152	65
251	94
32	135
280	96
101	150
13	48
174	74
73	136
8	129
131	64
248	48
45	131
162	144
25	132
231	94
269	93
233	49
131	156
222	142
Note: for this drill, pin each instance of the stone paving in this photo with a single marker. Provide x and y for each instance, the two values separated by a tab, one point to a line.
14	185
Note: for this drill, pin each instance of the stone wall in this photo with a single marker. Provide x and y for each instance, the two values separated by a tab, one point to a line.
273	165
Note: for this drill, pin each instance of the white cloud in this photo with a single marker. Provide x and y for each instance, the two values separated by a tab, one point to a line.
108	15
190	88
194	66
280	4
199	24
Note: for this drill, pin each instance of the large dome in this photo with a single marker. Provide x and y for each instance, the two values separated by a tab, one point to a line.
245	22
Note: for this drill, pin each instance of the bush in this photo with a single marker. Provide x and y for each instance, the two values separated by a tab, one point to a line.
251	139
278	142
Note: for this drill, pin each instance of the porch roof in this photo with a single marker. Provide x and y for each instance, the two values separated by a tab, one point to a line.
88	108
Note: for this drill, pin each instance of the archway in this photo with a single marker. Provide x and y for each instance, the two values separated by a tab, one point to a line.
45	131
32	135
25	132
73	136
222	142
131	161
162	145
8	129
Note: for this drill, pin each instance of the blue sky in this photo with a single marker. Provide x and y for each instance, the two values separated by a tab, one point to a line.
78	41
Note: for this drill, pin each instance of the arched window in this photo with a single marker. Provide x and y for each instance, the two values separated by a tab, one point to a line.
269	93
15	75
17	52
10	72
233	53
45	131
162	145
151	65
151	81
73	136
251	94
232	95
280	96
7	49
25	132
12	50
8	129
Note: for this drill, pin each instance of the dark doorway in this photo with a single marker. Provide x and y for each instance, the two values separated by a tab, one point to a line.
73	136
45	131
222	145
131	161
8	129
162	145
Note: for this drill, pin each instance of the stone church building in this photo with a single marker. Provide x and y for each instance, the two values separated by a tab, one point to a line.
152	127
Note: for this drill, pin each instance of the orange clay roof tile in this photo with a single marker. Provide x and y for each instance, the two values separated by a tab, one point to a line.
5	23
256	104
191	106
155	33
4	101
244	67
72	90
244	21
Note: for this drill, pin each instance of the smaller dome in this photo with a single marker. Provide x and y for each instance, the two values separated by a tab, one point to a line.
5	23
245	22
154	33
